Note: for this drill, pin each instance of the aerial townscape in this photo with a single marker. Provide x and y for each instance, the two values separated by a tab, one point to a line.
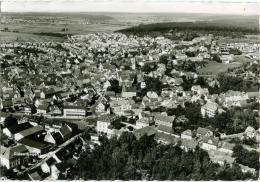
130	105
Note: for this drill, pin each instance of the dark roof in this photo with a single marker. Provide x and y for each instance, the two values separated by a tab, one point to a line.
65	130
62	166
51	161
165	129
57	137
149	130
35	176
166	138
20	127
74	107
33	143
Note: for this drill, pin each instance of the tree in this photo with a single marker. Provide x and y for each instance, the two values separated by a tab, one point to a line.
10	121
216	58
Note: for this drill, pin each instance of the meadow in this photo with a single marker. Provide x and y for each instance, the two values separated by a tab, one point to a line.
214	68
32	26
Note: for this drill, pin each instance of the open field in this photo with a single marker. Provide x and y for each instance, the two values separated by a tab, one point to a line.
214	68
24	26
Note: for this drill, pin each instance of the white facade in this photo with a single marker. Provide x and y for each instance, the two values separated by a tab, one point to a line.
102	127
74	113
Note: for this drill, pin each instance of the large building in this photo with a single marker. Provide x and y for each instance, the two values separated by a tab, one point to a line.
12	157
209	109
74	112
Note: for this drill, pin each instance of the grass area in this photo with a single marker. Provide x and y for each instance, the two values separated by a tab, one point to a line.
214	68
26	37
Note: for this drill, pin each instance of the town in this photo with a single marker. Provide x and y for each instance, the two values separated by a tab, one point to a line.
62	101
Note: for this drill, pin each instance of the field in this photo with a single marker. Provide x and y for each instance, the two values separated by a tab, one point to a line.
214	68
25	26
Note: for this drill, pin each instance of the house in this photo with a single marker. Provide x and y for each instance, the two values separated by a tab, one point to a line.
103	124
226	147
246	169
128	92
34	146
167	130
65	132
164	120
35	176
210	109
10	131
27	110
71	111
28	132
12	157
203	132
166	139
250	132
227	58
53	137
101	106
148	130
42	109
120	106
197	90
210	143
188	144
187	134
234	98
219	157
181	119
143	122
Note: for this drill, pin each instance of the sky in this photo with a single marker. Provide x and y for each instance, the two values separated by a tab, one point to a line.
242	7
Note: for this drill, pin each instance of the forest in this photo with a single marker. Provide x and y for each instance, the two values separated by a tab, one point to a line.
190	29
127	158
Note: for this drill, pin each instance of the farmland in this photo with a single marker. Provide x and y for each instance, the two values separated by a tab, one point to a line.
25	26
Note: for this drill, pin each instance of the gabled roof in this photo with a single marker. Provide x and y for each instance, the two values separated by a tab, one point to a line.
9	152
20	127
203	131
165	129
35	176
51	161
166	138
149	130
164	118
189	143
65	130
226	145
33	143
31	130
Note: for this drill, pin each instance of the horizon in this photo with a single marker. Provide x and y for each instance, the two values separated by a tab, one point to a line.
221	7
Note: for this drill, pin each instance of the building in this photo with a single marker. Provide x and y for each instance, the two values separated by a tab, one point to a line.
210	109
104	122
10	131
226	147
65	132
209	143
42	109
148	130
74	112
143	122
12	157
203	132
188	144
187	134
166	139
27	132
35	147
164	120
